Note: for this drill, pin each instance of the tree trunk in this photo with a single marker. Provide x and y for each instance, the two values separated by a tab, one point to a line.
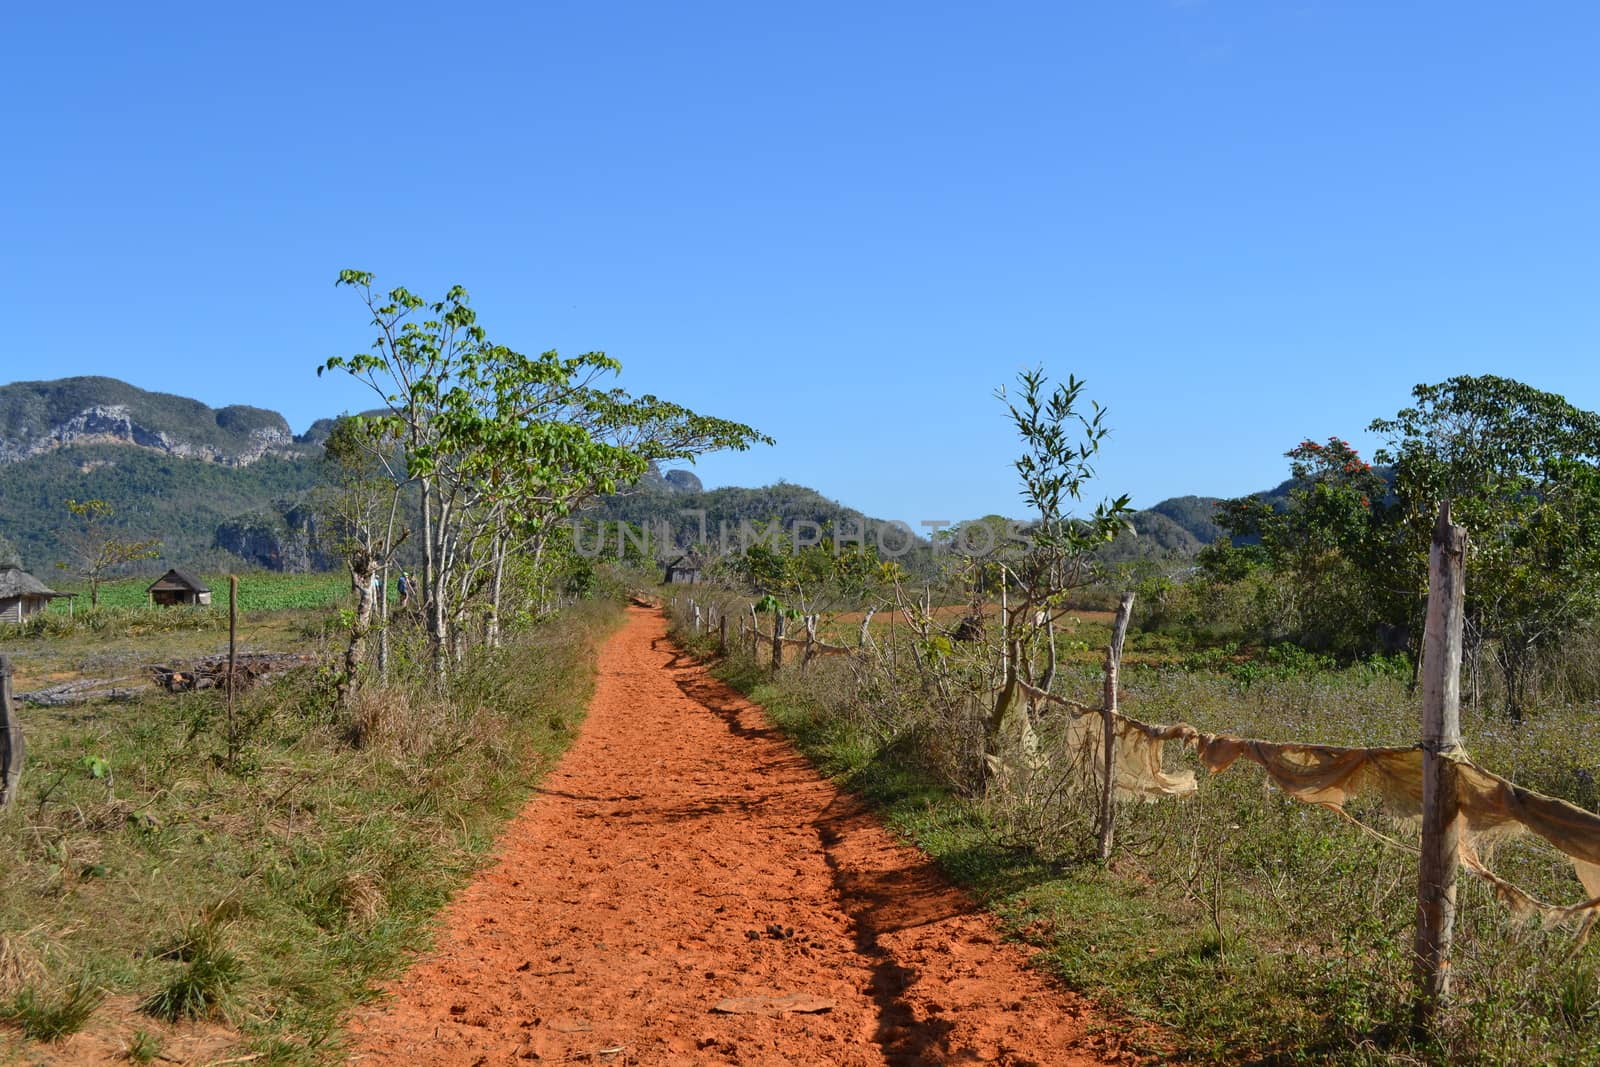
363	571
491	635
1108	784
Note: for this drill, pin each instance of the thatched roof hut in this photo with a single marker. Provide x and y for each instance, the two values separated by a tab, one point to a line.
22	595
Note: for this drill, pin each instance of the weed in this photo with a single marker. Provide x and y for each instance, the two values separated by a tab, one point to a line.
46	1018
143	1047
209	972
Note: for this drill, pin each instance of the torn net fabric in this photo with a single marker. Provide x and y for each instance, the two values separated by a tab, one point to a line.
1491	808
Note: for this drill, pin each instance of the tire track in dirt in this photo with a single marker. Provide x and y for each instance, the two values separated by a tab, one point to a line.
660	872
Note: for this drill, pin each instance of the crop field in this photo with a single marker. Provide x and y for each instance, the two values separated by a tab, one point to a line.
258	591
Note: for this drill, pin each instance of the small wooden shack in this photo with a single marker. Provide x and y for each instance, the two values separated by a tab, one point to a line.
22	595
684	570
179	587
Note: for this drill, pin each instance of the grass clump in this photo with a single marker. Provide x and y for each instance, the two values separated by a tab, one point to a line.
50	1018
209	971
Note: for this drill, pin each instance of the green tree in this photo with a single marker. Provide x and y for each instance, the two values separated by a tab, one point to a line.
1060	442
97	552
1519	467
1328	550
500	445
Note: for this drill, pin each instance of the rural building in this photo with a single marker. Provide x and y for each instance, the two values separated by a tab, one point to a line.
22	595
179	587
683	570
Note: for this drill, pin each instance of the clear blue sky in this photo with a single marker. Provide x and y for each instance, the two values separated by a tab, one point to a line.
1242	223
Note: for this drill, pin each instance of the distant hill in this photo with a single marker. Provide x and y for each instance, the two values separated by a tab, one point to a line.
225	487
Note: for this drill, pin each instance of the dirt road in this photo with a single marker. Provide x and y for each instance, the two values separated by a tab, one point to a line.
686	889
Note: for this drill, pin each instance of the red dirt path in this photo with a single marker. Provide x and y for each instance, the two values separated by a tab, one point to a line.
620	912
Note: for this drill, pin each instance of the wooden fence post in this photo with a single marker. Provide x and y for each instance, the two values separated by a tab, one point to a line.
233	664
1108	807
696	608
722	634
777	641
12	747
811	641
755	631
1441	740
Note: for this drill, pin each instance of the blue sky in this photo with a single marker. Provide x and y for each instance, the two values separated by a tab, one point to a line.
1242	223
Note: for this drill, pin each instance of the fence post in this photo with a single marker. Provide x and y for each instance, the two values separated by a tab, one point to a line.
1441	740
696	608
12	747
811	640
722	634
233	664
777	640
1108	807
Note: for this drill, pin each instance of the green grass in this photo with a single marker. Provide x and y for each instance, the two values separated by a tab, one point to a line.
274	894
1242	926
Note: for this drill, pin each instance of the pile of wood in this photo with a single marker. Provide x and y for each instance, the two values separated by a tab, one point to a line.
212	671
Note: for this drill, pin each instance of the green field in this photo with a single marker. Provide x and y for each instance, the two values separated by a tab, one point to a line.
258	591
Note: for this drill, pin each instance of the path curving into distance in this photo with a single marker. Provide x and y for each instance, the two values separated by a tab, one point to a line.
686	889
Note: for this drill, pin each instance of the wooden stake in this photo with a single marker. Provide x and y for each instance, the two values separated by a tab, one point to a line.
233	662
1108	807
1441	741
777	640
722	634
12	747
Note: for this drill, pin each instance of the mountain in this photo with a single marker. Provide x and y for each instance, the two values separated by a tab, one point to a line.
231	486
37	418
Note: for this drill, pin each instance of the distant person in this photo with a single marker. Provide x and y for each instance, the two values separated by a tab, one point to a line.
406	585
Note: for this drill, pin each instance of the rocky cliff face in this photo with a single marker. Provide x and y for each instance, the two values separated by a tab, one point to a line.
115	424
287	539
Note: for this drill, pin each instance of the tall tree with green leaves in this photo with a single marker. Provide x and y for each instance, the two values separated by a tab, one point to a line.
97	550
1521	469
500	445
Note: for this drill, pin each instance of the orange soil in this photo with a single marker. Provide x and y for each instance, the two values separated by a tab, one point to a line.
684	856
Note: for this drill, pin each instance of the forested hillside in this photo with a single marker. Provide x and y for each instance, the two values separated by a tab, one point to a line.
180	501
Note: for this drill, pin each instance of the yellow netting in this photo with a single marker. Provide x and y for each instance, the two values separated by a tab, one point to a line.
1491	808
